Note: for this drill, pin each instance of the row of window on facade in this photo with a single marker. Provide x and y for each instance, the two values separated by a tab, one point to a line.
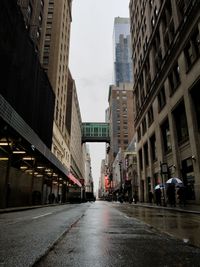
166	128
34	27
138	13
167	30
191	52
144	37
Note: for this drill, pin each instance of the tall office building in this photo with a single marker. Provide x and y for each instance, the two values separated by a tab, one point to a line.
121	117
166	52
48	23
120	95
27	98
122	51
55	62
35	15
77	149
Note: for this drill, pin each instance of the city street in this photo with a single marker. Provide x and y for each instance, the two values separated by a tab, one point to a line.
98	234
27	235
93	234
106	236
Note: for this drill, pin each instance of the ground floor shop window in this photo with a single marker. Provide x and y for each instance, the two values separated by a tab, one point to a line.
195	93
188	178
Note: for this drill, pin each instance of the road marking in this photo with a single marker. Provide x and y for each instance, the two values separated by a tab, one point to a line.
42	215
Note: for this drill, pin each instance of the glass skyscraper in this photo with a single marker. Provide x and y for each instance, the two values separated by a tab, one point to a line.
123	69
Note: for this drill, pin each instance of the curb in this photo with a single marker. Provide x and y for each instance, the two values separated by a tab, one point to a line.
168	208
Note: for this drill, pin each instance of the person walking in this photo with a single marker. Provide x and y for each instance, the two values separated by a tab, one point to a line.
150	197
158	194
181	196
135	197
171	195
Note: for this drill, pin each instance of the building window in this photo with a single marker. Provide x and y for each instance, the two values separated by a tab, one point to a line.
195	94
168	25
174	78
181	123
188	178
161	99
142	93
146	157
29	11
153	22
57	110
48	37
144	126
182	6
166	136
140	159
139	134
153	148
147	74
192	49
150	116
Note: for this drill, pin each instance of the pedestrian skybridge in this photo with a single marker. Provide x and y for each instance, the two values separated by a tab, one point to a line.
95	132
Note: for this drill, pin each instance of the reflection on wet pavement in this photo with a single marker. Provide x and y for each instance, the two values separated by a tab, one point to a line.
181	225
110	235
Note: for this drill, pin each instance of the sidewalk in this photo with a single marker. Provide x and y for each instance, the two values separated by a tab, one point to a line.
189	208
6	210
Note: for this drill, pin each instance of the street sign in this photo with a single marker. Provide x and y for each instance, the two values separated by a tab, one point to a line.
164	168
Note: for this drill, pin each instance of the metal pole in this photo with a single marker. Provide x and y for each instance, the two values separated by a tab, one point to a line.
163	189
120	176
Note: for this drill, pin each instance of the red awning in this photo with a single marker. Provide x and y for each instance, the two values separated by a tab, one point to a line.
73	179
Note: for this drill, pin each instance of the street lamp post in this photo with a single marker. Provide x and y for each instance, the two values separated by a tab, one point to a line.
121	175
164	170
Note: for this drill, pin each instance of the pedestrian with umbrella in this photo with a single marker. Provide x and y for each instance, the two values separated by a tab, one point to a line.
171	190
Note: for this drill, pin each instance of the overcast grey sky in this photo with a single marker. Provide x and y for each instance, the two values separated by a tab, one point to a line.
91	62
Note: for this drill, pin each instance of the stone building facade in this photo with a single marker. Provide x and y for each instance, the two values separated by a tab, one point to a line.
48	24
166	52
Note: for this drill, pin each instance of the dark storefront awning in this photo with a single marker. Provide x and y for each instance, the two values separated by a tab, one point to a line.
18	127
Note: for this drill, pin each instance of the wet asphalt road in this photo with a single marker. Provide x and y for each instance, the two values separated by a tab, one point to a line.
106	236
185	226
27	235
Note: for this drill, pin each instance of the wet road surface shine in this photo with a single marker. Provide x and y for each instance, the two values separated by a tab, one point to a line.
181	225
106	237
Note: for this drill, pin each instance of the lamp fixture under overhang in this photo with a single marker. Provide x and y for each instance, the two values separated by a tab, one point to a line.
4	158
4	143
28	158
23	167
47	170
19	152
29	170
39	175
